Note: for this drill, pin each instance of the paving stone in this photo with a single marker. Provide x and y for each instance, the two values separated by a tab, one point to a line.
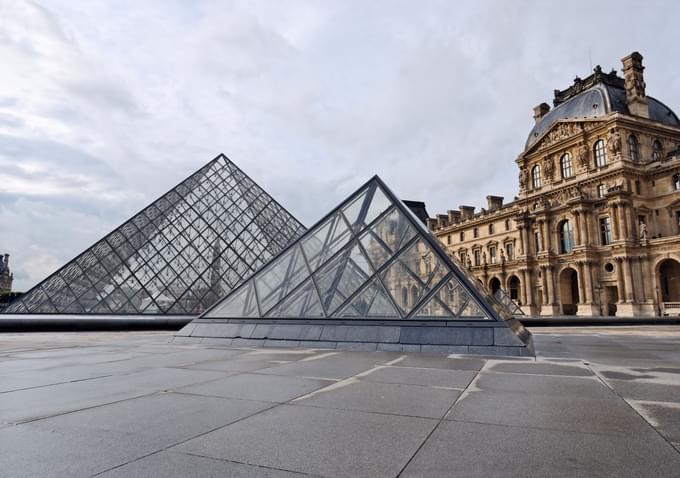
180	465
641	390
419	376
544	411
271	388
542	368
400	399
437	361
562	386
480	450
327	367
319	441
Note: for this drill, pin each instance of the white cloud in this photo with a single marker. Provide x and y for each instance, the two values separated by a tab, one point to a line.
104	106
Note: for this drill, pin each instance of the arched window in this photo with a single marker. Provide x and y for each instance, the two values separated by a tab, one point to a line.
490	228
462	235
566	237
414	295
404	296
536	176
565	166
676	182
600	153
633	148
657	150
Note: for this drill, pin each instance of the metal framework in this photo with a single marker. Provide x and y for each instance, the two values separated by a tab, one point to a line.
179	255
369	258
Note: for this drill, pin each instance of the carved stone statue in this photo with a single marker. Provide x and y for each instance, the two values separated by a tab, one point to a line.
469	263
614	143
582	156
644	235
523	178
483	257
548	168
502	257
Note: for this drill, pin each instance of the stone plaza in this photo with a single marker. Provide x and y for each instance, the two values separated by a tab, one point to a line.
594	402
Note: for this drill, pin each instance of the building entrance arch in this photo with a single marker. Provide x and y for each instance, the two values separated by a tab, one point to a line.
669	280
569	291
494	285
514	288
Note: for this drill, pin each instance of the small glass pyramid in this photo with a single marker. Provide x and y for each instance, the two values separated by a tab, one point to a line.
179	255
370	258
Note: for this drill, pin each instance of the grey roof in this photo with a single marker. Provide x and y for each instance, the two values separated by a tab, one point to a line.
595	102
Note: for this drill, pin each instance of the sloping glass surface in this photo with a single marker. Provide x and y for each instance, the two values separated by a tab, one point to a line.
368	259
179	255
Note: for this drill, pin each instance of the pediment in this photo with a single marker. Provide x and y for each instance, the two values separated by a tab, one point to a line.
562	130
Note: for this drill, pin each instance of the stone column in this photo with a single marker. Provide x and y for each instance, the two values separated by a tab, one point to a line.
587	273
523	286
585	233
619	279
551	286
546	233
613	214
530	288
643	285
581	283
577	227
544	281
628	280
623	223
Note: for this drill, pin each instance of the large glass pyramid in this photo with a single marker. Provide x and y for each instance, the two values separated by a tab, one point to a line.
179	255
370	258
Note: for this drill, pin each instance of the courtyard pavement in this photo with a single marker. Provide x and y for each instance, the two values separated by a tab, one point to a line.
595	402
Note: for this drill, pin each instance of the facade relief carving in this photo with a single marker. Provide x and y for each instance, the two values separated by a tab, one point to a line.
614	143
523	179
563	131
583	156
548	169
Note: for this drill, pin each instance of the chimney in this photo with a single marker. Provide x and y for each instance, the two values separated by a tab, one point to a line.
454	216
431	224
494	202
467	212
635	85
442	220
540	111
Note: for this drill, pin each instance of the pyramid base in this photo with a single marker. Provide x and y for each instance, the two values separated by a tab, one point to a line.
507	338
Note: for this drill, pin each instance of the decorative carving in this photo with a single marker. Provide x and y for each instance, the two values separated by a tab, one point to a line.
644	235
583	155
523	179
614	143
565	130
548	169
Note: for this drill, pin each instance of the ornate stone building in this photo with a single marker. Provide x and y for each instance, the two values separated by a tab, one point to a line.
6	276
595	229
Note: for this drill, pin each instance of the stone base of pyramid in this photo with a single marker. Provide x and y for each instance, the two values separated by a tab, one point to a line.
507	338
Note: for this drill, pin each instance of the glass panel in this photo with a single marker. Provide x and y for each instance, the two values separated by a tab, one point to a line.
342	276
434	308
326	241
286	273
303	303
473	310
353	209
372	302
378	205
394	229
241	304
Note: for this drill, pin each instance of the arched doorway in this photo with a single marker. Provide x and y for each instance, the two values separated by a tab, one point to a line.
569	291
513	287
494	285
669	280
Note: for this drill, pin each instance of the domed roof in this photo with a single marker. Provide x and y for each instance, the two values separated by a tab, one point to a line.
596	96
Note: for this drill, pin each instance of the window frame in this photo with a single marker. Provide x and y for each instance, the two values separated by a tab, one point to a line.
633	148
566	236
566	169
600	154
536	181
605	231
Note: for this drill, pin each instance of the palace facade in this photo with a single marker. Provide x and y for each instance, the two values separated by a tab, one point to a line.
595	228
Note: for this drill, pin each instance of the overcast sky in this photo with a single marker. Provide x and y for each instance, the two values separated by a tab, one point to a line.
104	105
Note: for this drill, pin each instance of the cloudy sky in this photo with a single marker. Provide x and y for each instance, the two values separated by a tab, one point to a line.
104	105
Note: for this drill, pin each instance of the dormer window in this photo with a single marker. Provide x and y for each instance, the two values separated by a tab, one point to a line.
633	148
536	176
600	153
657	150
565	166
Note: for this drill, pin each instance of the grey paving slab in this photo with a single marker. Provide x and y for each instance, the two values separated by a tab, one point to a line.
480	450
561	386
664	416
40	402
439	361
156	421
400	399
329	366
318	441
272	388
180	465
545	411
430	377
541	368
641	390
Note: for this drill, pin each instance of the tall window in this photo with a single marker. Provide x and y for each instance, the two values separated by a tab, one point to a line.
600	153
509	251
404	296
536	176
565	166
477	257
490	228
605	231
657	150
566	237
448	239
600	190
507	224
633	148
676	182
463	258
537	242
492	254
462	236
414	295
475	232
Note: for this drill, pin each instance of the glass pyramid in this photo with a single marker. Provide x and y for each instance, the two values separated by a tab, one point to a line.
179	255
370	258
